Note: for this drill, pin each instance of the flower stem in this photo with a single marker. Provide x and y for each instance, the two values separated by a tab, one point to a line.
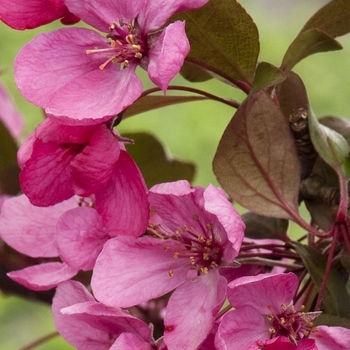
40	341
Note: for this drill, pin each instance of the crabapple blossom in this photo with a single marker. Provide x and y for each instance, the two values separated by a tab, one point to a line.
193	232
30	14
85	78
265	317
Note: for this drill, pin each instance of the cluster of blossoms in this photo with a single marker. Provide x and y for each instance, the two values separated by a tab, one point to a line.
164	256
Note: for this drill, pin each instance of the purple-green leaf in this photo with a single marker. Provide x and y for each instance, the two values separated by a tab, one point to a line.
224	39
148	103
156	166
194	73
256	161
266	75
308	43
333	18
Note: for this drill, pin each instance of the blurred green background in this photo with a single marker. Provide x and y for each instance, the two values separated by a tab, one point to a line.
190	131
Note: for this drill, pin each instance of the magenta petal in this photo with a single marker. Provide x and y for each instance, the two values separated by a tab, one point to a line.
101	14
167	56
29	14
123	203
283	343
132	270
80	237
45	177
331	338
9	115
192	309
43	276
265	292
92	168
241	328
127	341
27	229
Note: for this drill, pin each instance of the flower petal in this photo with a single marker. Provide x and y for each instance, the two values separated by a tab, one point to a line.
80	237
127	341
25	227
167	56
43	276
132	270
331	338
192	309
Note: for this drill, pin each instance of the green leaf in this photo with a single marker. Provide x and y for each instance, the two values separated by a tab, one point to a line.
224	39
194	73
156	166
336	300
259	227
148	103
333	18
266	75
332	321
330	145
9	171
256	161
308	43
340	125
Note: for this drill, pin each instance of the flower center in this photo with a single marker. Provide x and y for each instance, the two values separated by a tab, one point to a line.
296	325
125	45
201	245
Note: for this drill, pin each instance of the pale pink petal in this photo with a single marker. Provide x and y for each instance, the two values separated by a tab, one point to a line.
132	270
29	14
331	338
265	292
151	18
191	311
27	229
92	168
167	56
216	202
9	115
67	78
102	13
127	341
80	237
123	203
44	276
45	177
25	151
79	334
239	329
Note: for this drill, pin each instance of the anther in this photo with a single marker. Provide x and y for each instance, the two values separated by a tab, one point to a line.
171	273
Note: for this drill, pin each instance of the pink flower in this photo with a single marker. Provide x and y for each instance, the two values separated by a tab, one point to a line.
193	233
30	14
265	318
84	78
87	324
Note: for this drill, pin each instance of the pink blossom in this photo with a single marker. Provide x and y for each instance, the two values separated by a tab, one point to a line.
193	233
87	324
29	14
265	318
9	115
84	78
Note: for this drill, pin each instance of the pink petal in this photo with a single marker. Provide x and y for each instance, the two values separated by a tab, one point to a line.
151	18
132	270
241	328
216	202
29	14
192	309
123	203
27	229
263	291
9	115
44	276
167	56
101	13
66	77
283	343
92	168
80	237
45	178
127	341
331	338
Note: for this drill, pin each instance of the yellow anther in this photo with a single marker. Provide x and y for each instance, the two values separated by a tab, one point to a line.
171	273
195	217
284	307
272	330
176	255
138	55
201	239
204	270
209	242
112	26
282	320
214	265
192	260
184	228
164	247
205	256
